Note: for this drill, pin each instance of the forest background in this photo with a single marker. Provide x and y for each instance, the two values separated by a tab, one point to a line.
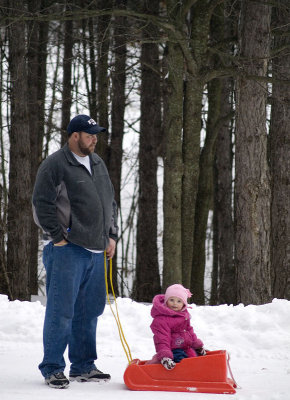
202	89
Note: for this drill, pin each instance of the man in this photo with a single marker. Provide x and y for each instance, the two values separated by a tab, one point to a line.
73	203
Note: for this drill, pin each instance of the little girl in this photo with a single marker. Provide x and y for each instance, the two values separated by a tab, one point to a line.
174	337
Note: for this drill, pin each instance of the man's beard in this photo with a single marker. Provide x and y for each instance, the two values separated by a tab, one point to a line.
86	151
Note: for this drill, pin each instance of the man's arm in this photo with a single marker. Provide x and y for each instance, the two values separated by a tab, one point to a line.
44	203
113	233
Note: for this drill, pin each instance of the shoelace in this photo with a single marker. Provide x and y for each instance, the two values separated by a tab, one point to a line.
59	375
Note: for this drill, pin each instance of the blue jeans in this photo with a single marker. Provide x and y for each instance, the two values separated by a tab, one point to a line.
178	355
76	296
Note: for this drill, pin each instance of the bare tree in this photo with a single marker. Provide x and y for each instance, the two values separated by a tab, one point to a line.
36	68
172	264
280	155
118	110
103	45
252	189
32	64
5	285
19	207
200	186
198	17
147	282
223	270
205	190
223	204
67	77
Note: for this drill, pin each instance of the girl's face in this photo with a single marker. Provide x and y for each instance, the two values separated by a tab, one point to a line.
175	303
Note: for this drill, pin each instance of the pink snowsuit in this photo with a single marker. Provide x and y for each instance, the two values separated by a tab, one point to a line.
172	330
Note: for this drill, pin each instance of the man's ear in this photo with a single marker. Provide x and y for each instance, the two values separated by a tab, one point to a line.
75	136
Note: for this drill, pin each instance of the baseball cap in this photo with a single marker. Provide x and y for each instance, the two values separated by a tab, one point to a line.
84	123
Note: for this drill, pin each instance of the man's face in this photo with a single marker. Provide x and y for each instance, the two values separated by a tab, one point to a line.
87	143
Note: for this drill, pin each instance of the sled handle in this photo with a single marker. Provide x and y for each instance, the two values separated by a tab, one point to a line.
230	371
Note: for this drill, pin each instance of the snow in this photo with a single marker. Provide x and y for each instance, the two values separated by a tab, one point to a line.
256	337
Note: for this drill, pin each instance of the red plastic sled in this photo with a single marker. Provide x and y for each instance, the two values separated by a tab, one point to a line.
206	374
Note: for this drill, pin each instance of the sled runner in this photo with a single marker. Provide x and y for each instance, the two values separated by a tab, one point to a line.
205	374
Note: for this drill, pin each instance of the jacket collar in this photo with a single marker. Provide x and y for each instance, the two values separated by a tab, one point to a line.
94	158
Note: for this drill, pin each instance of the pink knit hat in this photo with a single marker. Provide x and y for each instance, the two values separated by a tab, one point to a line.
179	291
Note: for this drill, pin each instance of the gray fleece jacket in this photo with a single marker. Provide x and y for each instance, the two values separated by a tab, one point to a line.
70	203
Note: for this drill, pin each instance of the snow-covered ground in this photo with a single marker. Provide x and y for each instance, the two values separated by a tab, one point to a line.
256	337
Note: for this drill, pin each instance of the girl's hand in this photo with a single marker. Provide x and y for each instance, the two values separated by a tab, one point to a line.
168	363
201	351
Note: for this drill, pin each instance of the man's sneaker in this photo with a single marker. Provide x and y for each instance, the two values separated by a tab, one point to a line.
94	375
57	381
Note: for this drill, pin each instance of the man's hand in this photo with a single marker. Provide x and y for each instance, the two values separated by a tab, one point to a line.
110	250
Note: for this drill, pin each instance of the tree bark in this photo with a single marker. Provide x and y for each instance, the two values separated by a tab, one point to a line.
280	158
19	208
33	114
4	277
173	169
147	270
193	92
223	29
252	190
93	102
67	76
223	207
200	24
42	80
103	35
118	111
89	64
205	192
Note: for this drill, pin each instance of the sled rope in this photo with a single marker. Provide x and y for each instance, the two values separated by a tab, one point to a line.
116	316
230	371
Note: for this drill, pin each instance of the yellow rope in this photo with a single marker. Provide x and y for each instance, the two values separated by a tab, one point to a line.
117	318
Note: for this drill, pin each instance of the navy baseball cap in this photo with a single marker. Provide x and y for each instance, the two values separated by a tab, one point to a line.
84	123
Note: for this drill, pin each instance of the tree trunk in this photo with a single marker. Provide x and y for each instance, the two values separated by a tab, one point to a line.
33	114
173	169
252	191
4	277
67	76
103	35
50	127
5	286
38	142
42	79
90	64
93	106
193	92
117	116
205	192
223	29
223	208
198	31
280	158
147	271
19	208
